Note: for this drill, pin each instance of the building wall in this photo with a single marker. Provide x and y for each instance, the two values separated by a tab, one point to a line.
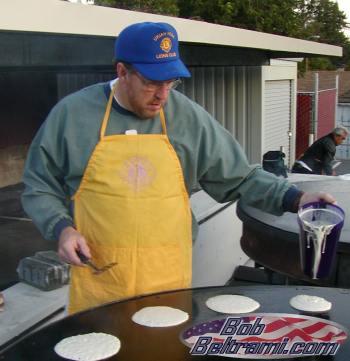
225	93
11	164
343	118
277	116
279	129
26	98
327	100
317	107
303	122
234	95
316	117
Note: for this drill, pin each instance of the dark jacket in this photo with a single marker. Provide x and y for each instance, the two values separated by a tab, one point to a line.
320	154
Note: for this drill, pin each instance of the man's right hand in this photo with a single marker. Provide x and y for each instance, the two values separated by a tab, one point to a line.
69	243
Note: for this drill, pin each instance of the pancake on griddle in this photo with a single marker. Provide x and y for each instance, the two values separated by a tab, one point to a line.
160	316
232	304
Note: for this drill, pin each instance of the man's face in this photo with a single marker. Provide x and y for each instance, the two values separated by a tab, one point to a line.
339	139
143	97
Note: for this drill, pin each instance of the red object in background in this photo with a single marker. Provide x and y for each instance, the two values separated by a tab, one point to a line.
304	121
326	112
325	117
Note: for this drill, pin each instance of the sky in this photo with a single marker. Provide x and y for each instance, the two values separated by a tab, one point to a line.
344	5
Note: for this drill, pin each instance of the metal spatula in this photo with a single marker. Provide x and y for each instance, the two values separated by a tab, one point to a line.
97	270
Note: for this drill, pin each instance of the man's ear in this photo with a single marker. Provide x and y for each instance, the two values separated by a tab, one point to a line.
121	70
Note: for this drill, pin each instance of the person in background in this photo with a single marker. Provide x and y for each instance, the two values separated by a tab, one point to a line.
319	157
110	172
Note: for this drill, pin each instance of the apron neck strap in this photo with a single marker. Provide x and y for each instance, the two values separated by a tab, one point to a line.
108	112
162	121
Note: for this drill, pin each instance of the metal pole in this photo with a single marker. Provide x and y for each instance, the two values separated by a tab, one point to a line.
311	139
315	106
336	100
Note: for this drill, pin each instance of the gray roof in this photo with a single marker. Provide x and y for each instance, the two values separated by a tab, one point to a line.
61	17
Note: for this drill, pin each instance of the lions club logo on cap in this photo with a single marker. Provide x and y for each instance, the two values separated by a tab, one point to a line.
166	45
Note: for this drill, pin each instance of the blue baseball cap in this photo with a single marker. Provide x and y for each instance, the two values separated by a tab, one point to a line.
152	49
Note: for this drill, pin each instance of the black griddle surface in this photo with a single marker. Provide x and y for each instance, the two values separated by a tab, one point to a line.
139	343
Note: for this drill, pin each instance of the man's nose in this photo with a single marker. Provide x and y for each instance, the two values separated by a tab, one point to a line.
162	92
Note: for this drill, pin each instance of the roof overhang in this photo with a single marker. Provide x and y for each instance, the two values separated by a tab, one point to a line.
61	17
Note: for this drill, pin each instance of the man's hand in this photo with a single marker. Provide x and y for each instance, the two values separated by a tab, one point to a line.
69	242
316	197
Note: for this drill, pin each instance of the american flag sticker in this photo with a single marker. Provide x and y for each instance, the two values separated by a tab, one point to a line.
265	336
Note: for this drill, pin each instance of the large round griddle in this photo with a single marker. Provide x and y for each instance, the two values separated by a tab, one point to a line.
340	189
274	241
139	343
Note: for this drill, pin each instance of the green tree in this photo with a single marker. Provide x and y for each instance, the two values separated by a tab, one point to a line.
324	22
316	20
273	16
164	7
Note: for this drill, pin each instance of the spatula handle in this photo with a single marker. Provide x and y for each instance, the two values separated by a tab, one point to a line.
82	257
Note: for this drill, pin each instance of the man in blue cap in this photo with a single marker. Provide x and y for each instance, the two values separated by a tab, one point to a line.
110	172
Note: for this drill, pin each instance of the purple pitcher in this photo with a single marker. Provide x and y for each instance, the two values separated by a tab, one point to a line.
320	227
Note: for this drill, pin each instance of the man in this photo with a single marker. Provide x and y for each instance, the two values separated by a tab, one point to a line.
319	156
128	154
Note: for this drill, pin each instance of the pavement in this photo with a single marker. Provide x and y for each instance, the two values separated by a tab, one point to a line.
344	167
19	238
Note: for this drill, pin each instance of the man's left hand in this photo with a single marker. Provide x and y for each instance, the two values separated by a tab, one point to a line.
316	197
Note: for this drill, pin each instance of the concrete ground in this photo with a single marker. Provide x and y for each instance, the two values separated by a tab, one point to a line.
344	167
19	238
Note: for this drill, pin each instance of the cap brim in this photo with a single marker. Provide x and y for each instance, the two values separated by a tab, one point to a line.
163	71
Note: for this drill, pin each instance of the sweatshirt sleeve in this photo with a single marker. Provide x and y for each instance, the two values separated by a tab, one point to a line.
226	175
45	198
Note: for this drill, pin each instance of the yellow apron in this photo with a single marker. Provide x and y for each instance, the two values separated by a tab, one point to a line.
132	207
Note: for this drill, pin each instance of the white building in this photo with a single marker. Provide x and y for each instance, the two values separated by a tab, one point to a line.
50	48
57	47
